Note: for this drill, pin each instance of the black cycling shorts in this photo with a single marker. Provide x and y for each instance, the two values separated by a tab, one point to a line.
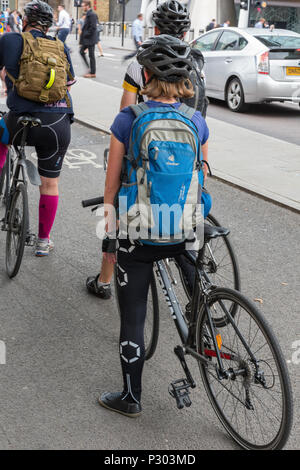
51	140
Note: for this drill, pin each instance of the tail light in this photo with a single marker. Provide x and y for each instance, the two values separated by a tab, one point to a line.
263	63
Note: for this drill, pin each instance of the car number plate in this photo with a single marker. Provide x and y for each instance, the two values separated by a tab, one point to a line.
293	71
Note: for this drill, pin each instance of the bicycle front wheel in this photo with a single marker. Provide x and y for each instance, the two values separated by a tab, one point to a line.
16	230
254	402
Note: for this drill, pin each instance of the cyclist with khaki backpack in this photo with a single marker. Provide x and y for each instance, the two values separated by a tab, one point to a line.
39	73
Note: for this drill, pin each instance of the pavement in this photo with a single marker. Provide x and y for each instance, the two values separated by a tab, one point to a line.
259	163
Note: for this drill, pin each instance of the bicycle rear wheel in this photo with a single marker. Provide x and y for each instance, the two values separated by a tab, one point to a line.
16	230
220	261
254	403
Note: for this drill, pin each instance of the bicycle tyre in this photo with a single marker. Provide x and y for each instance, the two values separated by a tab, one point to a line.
202	340
2	181
236	272
151	344
13	266
150	348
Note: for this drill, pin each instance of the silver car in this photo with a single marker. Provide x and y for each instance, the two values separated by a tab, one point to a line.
251	65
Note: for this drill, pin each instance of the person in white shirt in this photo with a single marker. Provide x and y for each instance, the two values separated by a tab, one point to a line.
64	23
260	23
137	34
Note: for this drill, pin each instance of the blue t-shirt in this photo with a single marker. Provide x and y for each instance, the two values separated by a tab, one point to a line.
122	124
11	47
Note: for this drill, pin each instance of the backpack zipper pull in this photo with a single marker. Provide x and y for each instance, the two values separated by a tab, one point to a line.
145	160
149	189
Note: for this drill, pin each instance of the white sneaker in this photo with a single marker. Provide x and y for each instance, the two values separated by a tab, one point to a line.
43	247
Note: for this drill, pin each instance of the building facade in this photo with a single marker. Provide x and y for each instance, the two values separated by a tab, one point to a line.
282	13
101	7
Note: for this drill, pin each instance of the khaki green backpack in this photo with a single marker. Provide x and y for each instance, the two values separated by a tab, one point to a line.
44	70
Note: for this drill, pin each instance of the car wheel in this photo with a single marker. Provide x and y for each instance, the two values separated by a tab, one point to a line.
235	96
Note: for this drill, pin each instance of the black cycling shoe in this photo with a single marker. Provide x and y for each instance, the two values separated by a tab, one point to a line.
114	402
104	292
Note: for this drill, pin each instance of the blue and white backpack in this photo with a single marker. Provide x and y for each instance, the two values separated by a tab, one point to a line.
160	190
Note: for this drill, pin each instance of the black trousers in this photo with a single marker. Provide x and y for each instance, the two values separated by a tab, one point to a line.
92	64
134	271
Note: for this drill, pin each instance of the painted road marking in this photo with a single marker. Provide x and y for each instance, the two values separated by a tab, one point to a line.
75	158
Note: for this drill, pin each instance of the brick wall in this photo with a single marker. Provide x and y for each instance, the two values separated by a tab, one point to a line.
102	9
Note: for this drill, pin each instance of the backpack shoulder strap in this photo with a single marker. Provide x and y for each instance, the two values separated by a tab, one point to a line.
138	109
187	110
25	40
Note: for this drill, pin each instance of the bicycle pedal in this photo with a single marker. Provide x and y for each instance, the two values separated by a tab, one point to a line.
30	239
180	391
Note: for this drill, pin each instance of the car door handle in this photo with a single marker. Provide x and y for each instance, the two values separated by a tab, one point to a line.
228	60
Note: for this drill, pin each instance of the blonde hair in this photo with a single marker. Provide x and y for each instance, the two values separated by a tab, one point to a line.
156	88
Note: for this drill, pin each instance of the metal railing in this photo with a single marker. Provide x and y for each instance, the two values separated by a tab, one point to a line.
114	29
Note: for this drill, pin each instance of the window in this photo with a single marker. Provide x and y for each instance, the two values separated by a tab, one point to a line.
231	41
4	4
274	40
206	42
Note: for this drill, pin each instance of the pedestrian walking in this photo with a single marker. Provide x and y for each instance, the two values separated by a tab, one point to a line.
89	38
99	45
226	24
137	35
64	23
13	22
20	22
80	24
211	25
260	24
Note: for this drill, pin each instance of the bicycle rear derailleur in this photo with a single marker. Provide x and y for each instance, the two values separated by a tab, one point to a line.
180	388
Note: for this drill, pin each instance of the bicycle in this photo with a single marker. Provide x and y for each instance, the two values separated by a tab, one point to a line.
240	361
220	262
217	257
14	197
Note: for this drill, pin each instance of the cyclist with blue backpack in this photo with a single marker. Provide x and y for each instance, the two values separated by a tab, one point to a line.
156	152
170	17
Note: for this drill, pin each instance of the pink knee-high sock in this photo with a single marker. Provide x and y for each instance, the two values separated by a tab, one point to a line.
47	211
3	153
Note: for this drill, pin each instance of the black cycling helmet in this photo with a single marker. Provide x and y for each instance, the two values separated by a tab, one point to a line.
171	17
167	57
39	14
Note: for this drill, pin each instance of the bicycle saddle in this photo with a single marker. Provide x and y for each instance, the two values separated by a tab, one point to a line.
211	231
32	121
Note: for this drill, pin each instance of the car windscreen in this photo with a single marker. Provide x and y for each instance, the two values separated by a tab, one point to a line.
285	42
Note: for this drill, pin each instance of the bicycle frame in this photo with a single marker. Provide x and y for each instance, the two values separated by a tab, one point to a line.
201	290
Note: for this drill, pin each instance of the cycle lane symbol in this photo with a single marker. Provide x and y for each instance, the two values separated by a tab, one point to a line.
75	158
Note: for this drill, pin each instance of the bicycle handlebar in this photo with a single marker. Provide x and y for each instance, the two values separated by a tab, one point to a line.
93	202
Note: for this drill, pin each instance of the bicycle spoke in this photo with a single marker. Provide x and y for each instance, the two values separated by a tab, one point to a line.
250	397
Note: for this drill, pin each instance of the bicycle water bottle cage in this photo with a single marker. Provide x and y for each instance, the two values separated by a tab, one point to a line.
180	391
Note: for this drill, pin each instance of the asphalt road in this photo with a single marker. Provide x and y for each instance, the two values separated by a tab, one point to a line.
62	344
275	120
